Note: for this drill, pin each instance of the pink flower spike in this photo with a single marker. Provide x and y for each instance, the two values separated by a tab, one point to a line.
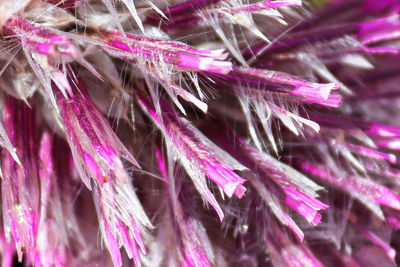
97	154
306	206
360	188
371	153
380	30
92	139
274	181
196	249
198	155
138	48
20	190
38	39
52	231
119	223
319	93
285	252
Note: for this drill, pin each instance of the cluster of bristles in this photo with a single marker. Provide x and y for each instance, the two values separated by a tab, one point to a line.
200	132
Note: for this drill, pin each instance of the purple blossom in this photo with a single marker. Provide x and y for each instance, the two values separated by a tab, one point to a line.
199	133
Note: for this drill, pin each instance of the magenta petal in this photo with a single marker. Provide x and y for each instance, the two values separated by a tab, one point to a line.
304	205
225	178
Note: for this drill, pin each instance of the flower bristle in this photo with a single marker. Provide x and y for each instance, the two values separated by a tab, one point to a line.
200	133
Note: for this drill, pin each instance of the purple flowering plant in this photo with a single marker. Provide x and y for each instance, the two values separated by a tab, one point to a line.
199	133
